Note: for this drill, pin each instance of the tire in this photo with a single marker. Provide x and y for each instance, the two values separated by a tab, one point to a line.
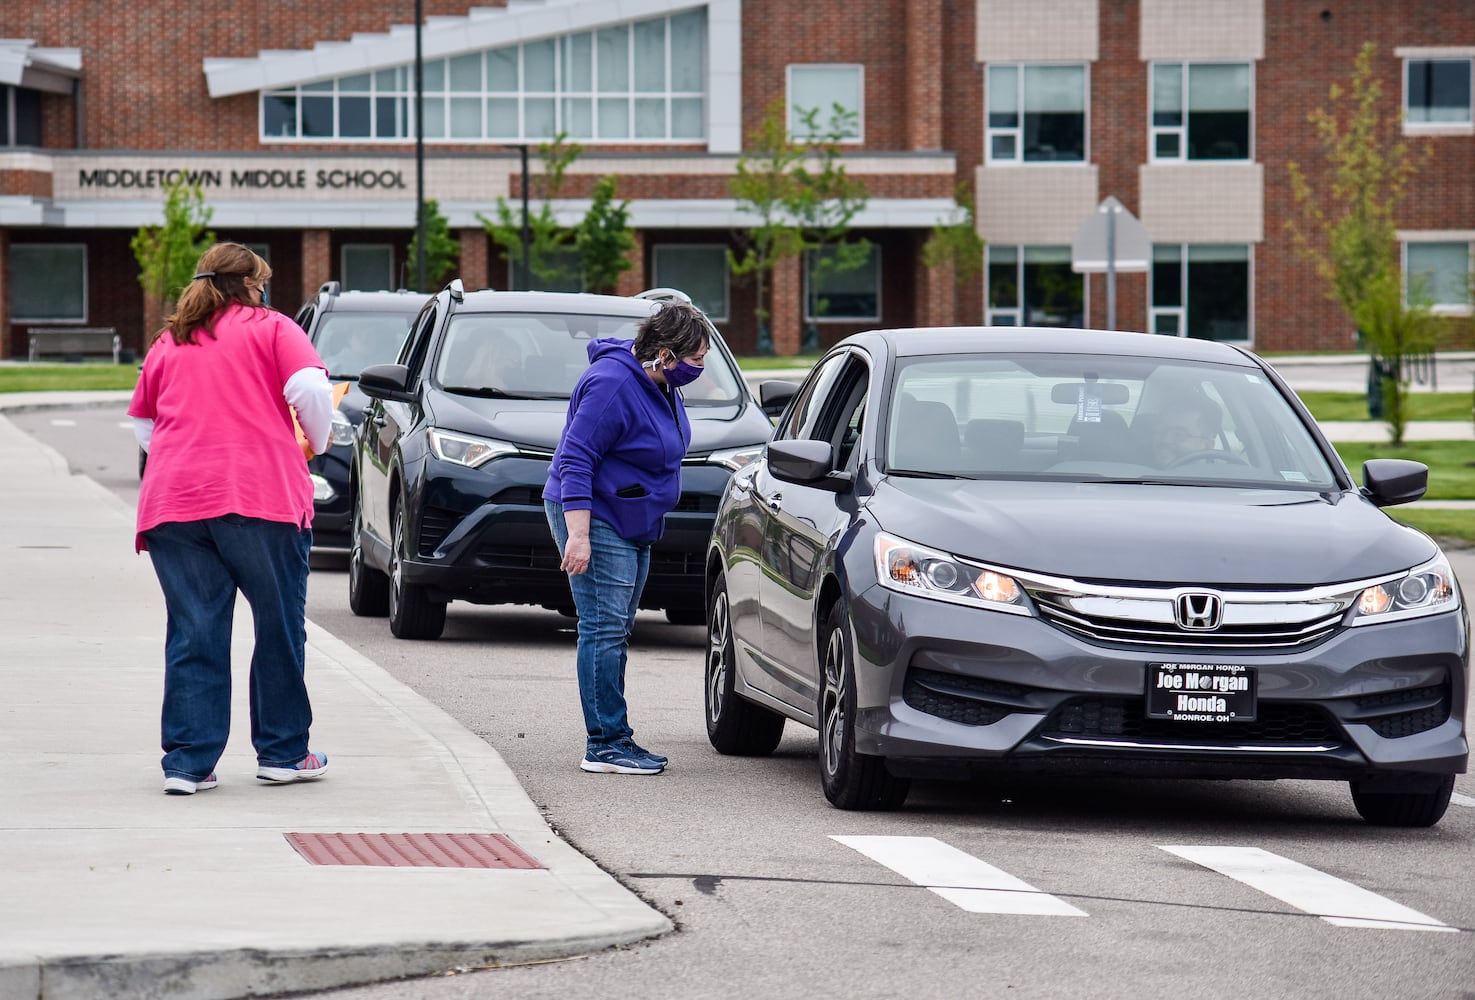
685	614
412	615
368	589
1415	808
735	726
850	780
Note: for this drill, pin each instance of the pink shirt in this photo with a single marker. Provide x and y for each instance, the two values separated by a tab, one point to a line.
223	441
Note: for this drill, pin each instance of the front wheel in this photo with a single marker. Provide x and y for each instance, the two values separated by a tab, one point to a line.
412	614
1419	807
734	726
851	780
368	589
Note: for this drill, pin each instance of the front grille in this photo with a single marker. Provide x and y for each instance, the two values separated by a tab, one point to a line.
972	701
518	557
697	503
435	524
520	496
1140	631
1126	719
1393	714
668	563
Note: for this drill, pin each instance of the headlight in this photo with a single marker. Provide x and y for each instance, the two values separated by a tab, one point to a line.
463	449
915	569
1429	589
736	458
342	432
322	490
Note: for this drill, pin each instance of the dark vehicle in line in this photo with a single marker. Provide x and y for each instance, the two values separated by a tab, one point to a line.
351	330
991	550
449	465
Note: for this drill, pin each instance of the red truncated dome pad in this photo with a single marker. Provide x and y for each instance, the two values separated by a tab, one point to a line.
412	850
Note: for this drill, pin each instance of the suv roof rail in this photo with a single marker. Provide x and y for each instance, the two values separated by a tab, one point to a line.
457	290
665	294
330	288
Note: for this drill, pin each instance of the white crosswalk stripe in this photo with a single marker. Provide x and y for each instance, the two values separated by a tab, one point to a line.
1335	901
959	878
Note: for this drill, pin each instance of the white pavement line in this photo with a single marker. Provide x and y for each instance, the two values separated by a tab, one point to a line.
1462	800
1335	901
60	422
959	878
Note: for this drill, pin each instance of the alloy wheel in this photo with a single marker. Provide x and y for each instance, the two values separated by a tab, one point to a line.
832	733
719	635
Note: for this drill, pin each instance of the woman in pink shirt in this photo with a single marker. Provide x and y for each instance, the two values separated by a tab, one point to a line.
226	504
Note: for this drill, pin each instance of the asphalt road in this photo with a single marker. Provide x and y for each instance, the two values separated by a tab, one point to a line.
743	855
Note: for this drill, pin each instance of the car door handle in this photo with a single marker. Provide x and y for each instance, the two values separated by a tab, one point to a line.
775	502
379	420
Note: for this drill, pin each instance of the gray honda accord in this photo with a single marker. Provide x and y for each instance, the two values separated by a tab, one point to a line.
991	549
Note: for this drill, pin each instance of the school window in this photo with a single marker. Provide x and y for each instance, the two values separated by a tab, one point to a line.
1438	275
638	82
1201	111
1436	94
48	283
1201	291
1034	286
835	291
1036	114
20	117
367	267
831	98
698	270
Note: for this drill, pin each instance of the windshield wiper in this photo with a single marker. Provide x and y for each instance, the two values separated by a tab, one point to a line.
919	474
492	392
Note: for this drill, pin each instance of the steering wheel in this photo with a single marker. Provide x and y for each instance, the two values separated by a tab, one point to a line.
1206	455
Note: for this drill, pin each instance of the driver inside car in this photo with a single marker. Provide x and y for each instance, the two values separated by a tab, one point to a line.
1188	425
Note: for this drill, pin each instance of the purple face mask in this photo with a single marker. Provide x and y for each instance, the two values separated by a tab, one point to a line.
682	373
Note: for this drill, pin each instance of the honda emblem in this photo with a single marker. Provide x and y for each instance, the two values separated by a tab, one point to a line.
1199	612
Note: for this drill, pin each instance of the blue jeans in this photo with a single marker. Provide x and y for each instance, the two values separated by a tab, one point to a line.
606	596
200	566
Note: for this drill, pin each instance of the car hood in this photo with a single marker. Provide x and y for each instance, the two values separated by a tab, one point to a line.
538	423
1210	536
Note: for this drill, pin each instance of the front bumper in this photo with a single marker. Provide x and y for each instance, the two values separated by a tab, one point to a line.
943	688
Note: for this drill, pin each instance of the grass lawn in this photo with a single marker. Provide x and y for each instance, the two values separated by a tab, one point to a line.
1421	405
49	378
1454	529
1451	464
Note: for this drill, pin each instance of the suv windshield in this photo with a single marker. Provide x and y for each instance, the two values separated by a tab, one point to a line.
1094	417
349	342
542	355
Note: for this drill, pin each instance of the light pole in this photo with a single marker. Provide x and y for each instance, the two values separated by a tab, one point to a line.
525	267
419	155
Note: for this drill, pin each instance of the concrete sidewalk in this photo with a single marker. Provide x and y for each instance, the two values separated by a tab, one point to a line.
113	889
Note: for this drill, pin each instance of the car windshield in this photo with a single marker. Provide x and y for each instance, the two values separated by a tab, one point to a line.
1091	418
349	342
542	355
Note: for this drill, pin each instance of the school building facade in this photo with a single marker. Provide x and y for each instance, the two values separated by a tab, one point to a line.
301	132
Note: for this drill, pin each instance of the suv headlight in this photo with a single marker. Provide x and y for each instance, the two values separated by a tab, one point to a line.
915	569
1429	589
464	449
342	432
736	458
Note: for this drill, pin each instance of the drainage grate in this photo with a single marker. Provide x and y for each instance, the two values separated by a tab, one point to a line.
412	850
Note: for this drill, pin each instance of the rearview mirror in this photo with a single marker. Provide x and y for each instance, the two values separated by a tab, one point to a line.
1110	393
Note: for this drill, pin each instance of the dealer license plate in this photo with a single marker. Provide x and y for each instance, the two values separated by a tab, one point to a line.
1201	692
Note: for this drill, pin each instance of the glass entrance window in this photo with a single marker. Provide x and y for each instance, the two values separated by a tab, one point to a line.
698	270
48	282
1201	291
367	267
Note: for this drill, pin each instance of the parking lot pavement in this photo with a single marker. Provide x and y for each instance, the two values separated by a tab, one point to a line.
112	888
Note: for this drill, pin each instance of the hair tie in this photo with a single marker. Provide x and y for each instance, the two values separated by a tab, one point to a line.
203	274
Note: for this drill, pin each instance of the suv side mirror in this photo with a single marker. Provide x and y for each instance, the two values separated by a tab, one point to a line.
386	382
1390	481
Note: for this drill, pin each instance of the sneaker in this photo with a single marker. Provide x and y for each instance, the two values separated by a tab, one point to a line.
629	744
189	786
619	760
311	766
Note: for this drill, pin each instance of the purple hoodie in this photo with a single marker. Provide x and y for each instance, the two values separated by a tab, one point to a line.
622	446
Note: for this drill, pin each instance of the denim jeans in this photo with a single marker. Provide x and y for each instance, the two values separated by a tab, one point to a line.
200	566
606	596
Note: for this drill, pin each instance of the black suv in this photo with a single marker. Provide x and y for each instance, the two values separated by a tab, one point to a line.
449	464
351	330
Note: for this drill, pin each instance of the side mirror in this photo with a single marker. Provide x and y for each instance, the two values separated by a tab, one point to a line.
1390	481
806	462
774	394
386	382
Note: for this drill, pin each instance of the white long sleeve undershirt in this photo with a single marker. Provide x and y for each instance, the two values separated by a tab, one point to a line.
307	391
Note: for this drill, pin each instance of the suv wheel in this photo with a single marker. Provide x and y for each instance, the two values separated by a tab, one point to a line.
1422	807
412	615
851	780
368	589
734	726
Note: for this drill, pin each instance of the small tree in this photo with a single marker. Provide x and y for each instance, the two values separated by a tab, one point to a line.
1395	329
1348	228
957	242
824	201
442	253
603	239
167	254
550	245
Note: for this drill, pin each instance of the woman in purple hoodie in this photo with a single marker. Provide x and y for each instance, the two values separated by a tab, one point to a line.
615	476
